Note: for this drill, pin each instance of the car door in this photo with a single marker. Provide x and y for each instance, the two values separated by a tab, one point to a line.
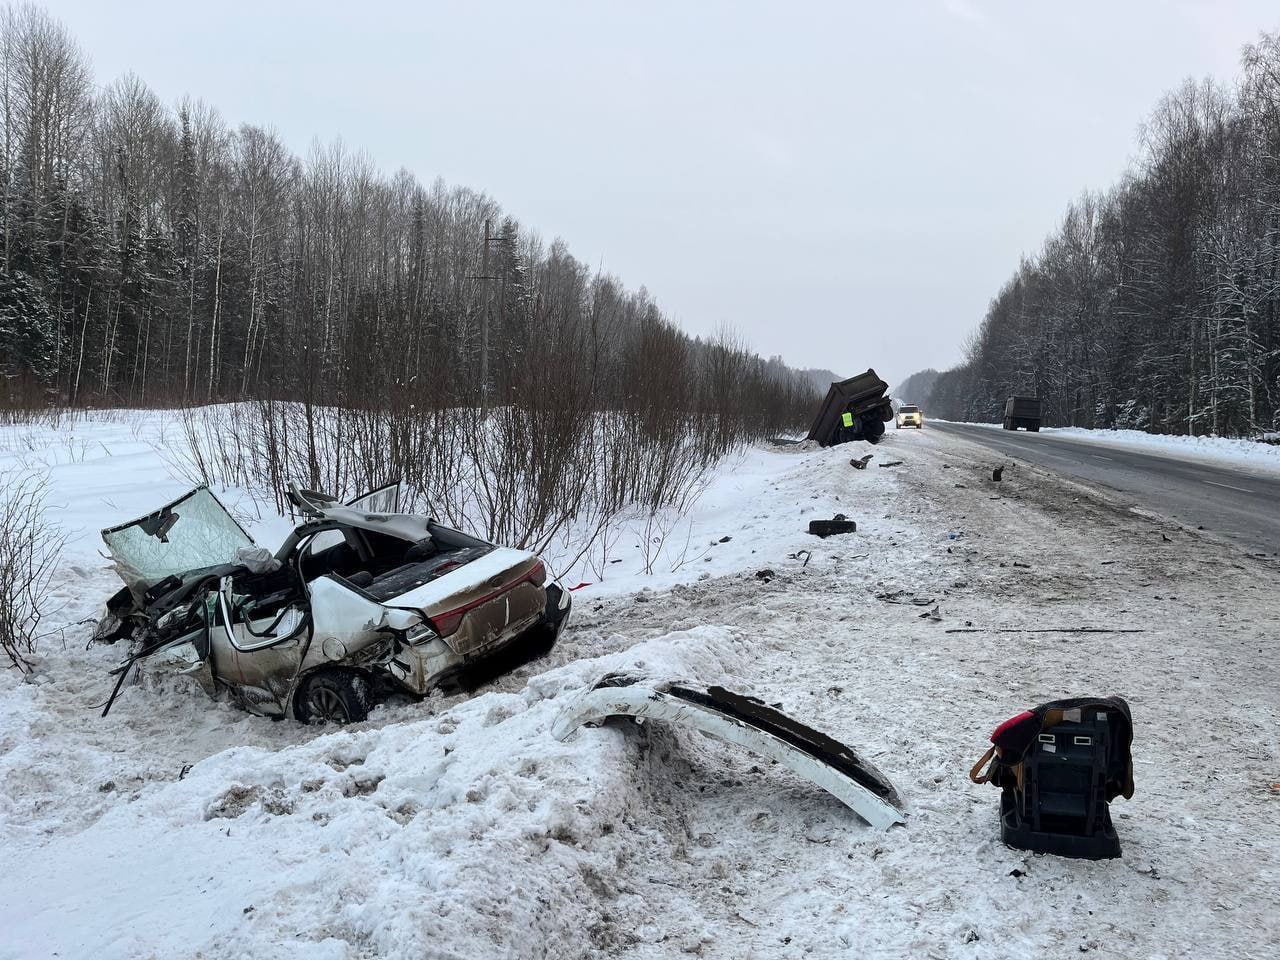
186	656
259	642
384	499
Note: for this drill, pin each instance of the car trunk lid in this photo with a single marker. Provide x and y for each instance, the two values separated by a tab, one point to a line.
476	603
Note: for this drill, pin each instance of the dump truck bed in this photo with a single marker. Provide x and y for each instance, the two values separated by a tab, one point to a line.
860	393
1022	407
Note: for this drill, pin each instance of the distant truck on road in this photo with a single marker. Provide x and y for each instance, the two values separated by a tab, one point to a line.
1022	412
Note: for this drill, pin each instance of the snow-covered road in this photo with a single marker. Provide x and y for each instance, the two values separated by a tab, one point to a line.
459	828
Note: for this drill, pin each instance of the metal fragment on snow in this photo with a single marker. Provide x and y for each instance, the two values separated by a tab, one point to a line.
749	723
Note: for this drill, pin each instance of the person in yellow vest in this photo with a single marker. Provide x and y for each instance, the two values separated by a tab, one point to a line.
848	428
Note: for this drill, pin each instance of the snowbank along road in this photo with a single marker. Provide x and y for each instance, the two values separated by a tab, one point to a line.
456	827
1238	501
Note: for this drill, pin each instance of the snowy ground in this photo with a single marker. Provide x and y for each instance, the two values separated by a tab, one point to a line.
1220	450
178	827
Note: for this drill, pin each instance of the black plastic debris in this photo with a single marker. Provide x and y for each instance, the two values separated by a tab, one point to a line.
997	474
860	463
1058	767
835	526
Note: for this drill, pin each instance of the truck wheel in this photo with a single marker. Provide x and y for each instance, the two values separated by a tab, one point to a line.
872	429
333	695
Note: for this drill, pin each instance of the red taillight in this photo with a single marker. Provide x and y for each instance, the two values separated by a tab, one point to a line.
447	623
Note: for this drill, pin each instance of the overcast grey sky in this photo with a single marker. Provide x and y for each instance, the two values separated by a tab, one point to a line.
847	184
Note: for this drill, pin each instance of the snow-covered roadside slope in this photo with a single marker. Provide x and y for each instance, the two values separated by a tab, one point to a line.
455	823
1229	450
468	833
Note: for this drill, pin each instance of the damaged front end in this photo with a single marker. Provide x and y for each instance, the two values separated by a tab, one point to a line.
748	722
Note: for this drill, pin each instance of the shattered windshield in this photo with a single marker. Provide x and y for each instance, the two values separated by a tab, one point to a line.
193	531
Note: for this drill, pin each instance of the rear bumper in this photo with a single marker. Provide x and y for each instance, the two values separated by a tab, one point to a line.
531	644
434	663
559	603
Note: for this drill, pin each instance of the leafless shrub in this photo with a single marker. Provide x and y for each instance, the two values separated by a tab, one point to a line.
29	550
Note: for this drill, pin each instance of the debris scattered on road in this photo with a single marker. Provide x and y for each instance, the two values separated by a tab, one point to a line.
1046	630
860	463
829	528
892	463
796	556
725	539
765	575
997	474
933	615
904	596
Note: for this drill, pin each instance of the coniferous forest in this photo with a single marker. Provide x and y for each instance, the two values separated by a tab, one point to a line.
155	254
1154	305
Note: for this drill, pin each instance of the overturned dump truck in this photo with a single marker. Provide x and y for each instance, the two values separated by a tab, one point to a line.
854	409
749	723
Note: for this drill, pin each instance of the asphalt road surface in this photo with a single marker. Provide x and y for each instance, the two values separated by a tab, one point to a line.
1237	502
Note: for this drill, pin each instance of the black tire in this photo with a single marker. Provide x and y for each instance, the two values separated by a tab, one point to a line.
872	429
333	695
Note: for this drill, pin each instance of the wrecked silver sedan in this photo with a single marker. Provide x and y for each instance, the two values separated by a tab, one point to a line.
360	599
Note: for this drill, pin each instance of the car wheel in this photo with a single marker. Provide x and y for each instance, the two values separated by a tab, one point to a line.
333	696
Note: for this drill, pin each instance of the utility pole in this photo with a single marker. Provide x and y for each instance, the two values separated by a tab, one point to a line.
484	327
484	318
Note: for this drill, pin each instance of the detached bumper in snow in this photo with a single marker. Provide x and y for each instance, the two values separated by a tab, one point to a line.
749	723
